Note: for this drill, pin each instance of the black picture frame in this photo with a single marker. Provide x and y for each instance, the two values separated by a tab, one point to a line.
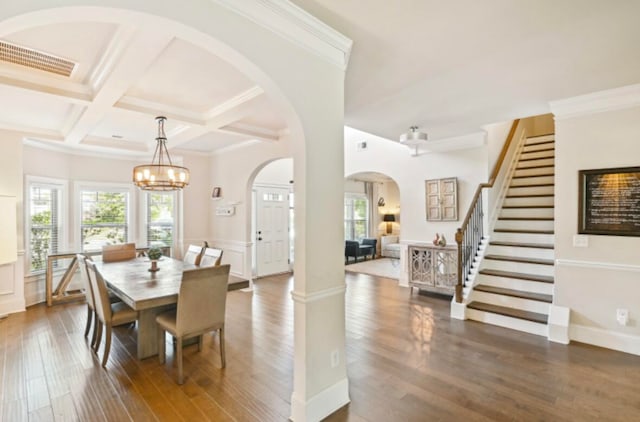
216	193
609	201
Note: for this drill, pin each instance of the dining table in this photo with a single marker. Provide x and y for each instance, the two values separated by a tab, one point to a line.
149	292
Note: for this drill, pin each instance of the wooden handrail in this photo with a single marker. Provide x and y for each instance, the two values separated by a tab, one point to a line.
461	232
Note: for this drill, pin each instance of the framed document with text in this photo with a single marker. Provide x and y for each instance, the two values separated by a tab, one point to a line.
609	201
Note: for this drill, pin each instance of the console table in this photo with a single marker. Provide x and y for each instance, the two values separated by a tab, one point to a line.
433	268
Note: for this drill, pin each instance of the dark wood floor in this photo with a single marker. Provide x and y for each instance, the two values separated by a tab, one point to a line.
407	361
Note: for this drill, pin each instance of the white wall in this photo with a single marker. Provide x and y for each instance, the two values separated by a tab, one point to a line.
410	172
595	281
279	172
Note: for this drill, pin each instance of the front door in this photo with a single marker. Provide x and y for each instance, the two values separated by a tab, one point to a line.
272	230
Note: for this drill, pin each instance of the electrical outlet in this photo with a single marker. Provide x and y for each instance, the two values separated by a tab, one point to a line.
622	315
335	358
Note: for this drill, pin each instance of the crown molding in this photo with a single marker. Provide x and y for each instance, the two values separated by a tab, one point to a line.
596	102
295	25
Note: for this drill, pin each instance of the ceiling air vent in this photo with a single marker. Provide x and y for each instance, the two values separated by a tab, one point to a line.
34	59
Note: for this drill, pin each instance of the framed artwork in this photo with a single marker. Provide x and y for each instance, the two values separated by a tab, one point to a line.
216	193
442	199
609	201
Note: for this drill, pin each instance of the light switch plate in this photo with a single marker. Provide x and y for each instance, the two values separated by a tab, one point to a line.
580	241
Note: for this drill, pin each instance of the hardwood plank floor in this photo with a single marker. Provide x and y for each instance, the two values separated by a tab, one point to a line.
406	360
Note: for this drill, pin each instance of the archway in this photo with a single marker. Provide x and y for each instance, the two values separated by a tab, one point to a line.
320	383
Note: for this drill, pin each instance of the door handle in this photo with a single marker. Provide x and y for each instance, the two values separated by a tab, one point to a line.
259	238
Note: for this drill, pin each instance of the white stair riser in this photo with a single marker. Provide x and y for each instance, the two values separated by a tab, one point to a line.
537	162
533	172
525	224
532	181
521	252
523	237
515	284
517	267
537	139
507	322
537	146
510	302
537	154
530	200
530	190
527	212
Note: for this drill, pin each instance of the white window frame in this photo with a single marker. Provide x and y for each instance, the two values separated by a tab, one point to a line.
63	215
350	195
79	187
144	204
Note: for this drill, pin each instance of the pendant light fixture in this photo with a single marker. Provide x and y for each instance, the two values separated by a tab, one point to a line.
413	139
161	174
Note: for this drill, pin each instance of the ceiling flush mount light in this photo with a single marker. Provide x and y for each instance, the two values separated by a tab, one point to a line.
161	174
413	139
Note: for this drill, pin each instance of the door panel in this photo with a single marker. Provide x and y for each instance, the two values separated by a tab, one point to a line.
272	231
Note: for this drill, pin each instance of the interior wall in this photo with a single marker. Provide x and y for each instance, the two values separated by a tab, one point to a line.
469	166
278	172
597	280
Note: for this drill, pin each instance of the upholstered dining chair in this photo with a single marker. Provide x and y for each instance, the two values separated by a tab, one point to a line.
88	291
211	257
201	309
107	314
121	252
193	255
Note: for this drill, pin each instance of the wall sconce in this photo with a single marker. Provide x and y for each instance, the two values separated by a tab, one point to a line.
389	218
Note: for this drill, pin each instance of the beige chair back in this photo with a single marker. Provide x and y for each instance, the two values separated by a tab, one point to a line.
122	252
211	257
100	293
86	283
193	255
202	299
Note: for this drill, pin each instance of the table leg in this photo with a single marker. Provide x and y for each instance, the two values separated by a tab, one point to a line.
148	331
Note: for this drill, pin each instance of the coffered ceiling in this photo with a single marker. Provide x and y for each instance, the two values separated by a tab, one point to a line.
447	67
124	77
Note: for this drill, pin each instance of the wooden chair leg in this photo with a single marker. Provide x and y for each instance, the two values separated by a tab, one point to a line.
222	356
96	346
200	342
179	359
95	330
89	320
161	345
107	346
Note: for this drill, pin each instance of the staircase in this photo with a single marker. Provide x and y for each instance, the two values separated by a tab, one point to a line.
514	286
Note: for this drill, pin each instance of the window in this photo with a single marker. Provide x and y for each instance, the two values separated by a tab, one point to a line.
356	221
160	218
104	218
45	231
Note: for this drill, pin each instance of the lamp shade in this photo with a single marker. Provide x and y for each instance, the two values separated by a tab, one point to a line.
389	217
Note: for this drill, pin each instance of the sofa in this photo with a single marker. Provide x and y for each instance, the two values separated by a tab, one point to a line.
353	249
390	246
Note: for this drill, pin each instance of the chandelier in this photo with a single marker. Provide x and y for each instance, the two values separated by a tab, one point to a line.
161	174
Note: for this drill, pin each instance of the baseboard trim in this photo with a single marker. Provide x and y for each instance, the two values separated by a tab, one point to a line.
597	265
604	338
322	404
304	297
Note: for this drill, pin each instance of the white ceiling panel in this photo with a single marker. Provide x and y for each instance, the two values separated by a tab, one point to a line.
137	127
31	110
265	115
81	42
212	141
187	76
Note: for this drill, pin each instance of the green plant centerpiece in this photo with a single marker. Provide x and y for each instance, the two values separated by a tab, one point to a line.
154	255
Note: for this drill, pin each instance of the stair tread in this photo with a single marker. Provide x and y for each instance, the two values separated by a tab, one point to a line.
539	143
510	312
535	185
521	276
533	175
540	136
527	206
543	166
527	218
535	195
522	245
535	158
520	259
523	231
537	150
540	297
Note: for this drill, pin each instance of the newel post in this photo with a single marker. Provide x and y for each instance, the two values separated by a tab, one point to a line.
459	237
